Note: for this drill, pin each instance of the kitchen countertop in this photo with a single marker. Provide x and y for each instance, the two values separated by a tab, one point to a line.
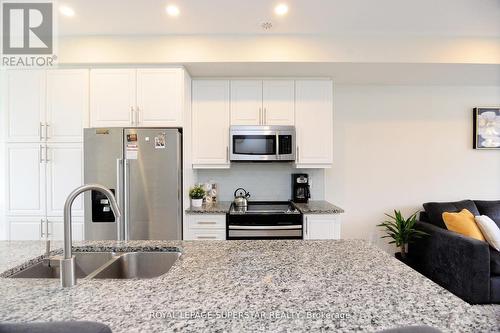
220	207
344	285
318	207
312	207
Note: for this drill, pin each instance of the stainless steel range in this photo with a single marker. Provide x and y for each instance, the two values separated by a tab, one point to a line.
265	220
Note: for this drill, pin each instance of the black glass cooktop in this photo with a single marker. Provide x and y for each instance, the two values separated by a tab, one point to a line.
264	207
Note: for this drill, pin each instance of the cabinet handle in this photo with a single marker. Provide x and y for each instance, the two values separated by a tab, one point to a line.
264	119
260	116
297	157
206	237
47	131
227	154
207	222
42	235
132	115
47	154
40	131
40	154
137	116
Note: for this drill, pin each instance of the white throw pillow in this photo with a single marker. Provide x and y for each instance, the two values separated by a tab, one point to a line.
490	231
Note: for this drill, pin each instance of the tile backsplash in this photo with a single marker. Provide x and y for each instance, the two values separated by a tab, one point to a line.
264	181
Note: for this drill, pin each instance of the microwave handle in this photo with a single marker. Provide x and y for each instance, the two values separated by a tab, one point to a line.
277	145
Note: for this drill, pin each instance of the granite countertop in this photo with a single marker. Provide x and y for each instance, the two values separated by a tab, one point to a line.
312	207
220	207
231	286
318	207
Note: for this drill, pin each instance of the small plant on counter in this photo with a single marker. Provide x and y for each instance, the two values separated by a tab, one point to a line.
197	194
401	230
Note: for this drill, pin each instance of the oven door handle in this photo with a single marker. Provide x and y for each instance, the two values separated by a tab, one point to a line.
268	227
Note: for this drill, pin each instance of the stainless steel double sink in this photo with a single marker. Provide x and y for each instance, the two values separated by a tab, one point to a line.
106	265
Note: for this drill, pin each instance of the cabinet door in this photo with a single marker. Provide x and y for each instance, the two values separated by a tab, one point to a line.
67	104
279	102
112	97
64	174
25	179
56	228
314	122
246	102
26	228
322	227
25	94
160	97
210	112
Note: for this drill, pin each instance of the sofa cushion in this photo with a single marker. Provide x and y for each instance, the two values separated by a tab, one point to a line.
490	230
435	210
494	262
490	209
463	223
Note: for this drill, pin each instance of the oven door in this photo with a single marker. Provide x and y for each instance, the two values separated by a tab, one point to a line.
264	226
248	145
264	232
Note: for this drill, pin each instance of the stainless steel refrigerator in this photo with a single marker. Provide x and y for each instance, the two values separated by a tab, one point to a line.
143	167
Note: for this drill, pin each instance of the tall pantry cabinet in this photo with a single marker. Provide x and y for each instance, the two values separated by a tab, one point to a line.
44	115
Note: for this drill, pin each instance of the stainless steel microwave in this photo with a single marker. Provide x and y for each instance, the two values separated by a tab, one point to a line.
262	143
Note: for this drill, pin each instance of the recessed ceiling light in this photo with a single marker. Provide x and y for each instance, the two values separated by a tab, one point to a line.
173	10
67	11
281	9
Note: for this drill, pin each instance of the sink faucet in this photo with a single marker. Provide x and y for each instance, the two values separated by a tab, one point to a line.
68	278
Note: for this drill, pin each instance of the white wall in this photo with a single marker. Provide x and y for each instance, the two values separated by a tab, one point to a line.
397	147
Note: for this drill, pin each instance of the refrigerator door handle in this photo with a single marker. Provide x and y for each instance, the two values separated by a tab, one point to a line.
120	228
126	199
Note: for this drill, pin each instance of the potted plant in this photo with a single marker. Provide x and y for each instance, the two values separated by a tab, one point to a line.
402	231
196	194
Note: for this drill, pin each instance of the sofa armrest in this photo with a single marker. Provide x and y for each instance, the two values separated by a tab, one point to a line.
458	263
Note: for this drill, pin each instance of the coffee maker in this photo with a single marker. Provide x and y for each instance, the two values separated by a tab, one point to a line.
300	187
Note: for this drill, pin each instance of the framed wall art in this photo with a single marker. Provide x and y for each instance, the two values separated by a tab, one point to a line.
487	128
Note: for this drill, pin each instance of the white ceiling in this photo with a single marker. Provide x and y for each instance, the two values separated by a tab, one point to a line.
340	17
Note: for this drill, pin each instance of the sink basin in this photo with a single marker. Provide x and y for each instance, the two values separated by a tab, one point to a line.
86	263
138	265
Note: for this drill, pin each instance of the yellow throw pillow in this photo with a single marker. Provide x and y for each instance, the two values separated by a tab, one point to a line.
463	223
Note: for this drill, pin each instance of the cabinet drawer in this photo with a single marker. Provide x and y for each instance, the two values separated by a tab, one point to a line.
205	234
206	221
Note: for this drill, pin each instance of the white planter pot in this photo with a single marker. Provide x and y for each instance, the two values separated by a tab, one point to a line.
196	202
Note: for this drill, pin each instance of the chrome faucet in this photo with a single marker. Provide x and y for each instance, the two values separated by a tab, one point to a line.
68	277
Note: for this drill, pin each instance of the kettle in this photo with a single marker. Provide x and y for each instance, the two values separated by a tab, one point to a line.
241	199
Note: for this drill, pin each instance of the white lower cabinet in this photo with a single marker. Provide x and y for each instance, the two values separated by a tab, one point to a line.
322	226
205	227
39	228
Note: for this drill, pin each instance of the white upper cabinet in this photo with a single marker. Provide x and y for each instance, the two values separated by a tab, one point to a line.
112	97
136	97
159	97
246	102
314	123
210	112
278	102
64	174
67	105
25	103
25	179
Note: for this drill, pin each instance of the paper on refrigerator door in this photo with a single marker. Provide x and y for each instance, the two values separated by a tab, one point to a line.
131	151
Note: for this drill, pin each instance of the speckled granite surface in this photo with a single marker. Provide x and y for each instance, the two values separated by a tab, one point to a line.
271	286
220	207
312	207
318	207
